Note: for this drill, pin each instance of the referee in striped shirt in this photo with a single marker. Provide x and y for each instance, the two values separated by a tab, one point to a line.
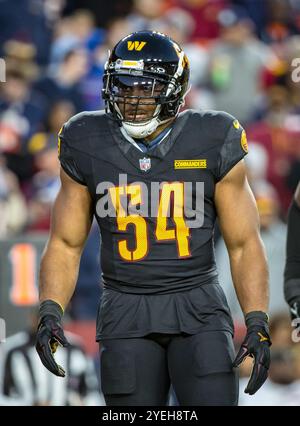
24	380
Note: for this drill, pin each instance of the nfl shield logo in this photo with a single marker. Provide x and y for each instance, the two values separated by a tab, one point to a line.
145	164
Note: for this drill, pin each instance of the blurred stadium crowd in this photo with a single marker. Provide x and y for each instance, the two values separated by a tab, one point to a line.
241	54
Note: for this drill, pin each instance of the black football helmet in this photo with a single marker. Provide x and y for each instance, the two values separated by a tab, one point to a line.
145	81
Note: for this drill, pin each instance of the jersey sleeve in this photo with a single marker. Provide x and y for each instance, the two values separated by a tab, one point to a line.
233	149
67	156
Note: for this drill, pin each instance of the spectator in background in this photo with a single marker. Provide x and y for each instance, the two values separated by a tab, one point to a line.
146	14
258	12
13	210
84	24
79	29
93	38
44	185
237	64
282	20
280	138
64	40
28	20
102	10
205	14
21	109
72	31
24	380
273	234
63	83
21	55
257	162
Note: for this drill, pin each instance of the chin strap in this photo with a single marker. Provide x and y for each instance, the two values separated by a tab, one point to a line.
142	130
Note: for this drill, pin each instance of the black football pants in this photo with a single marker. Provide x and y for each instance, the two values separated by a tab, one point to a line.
139	371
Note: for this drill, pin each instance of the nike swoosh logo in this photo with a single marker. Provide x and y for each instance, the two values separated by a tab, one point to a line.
263	338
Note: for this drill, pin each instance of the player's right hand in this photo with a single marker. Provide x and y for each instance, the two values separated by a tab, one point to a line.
50	334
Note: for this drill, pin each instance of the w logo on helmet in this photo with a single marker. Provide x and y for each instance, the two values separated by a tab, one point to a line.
136	45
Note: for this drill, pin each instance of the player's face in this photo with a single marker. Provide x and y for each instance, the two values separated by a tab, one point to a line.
137	97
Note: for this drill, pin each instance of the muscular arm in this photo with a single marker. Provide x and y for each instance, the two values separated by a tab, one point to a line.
70	225
240	228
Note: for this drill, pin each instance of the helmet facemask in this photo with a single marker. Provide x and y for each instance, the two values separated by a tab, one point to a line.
141	100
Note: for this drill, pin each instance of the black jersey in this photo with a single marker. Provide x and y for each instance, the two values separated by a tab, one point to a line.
155	210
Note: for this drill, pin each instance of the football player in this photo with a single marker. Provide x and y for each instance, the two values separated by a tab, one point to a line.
292	266
156	179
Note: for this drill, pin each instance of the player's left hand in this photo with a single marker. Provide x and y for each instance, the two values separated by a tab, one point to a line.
257	345
50	334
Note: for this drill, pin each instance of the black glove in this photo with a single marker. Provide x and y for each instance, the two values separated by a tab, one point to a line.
257	345
50	334
295	309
